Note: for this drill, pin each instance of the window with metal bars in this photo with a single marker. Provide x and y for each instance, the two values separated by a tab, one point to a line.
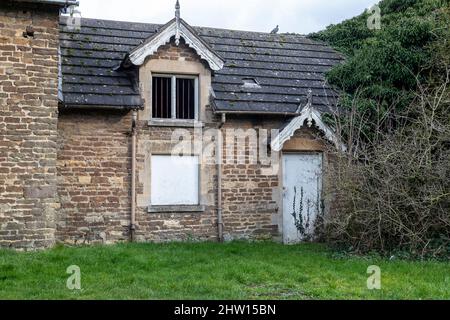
162	101
174	97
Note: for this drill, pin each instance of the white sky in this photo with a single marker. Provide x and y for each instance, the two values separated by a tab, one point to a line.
300	16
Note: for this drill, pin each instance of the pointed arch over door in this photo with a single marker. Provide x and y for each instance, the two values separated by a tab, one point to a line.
309	117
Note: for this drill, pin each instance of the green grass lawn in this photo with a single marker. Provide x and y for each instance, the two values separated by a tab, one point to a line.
214	271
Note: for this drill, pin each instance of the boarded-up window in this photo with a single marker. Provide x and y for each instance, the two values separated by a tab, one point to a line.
174	180
175	97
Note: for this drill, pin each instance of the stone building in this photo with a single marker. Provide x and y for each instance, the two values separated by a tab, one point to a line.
96	114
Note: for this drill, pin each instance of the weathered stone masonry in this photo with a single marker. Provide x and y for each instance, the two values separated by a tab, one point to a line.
93	176
28	126
252	192
94	170
156	139
65	175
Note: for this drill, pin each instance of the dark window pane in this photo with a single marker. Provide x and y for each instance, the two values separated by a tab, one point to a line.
161	98
185	98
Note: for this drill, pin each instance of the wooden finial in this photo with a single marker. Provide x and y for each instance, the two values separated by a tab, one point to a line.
177	10
178	21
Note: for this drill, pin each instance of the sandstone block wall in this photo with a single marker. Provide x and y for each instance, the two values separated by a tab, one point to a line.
94	183
28	126
68	179
94	176
250	193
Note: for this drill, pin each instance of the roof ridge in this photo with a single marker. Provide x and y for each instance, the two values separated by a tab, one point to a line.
201	27
123	21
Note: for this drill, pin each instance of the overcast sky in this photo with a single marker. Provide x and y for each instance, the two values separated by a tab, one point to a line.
300	16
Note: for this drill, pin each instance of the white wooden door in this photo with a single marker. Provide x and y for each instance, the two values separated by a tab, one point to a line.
302	188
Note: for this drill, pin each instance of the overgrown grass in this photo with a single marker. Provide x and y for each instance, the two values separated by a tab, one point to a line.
214	271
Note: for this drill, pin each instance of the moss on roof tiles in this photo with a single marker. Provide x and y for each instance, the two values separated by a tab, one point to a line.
292	60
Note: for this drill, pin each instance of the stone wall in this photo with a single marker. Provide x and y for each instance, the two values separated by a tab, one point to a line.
68	180
250	189
94	182
94	175
28	126
171	51
157	139
174	59
94	171
175	225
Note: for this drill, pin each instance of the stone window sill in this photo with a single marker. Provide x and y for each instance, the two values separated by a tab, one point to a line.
174	123
176	209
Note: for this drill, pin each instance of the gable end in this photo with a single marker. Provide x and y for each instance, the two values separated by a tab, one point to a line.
137	56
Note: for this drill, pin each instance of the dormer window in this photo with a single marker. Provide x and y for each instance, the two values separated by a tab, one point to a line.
175	97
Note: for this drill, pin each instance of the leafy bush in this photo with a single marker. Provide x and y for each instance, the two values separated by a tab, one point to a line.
392	187
382	66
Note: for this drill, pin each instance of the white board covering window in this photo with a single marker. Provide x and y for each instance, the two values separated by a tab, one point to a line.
174	180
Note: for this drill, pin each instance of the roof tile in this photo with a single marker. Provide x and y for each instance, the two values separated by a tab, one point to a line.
284	65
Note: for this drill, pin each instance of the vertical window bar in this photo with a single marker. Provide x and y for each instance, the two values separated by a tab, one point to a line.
179	115
168	97
166	112
156	98
174	97
154	113
196	95
158	111
163	100
183	102
183	98
161	106
180	99
188	107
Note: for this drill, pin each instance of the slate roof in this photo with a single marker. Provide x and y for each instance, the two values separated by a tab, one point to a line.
284	65
59	3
